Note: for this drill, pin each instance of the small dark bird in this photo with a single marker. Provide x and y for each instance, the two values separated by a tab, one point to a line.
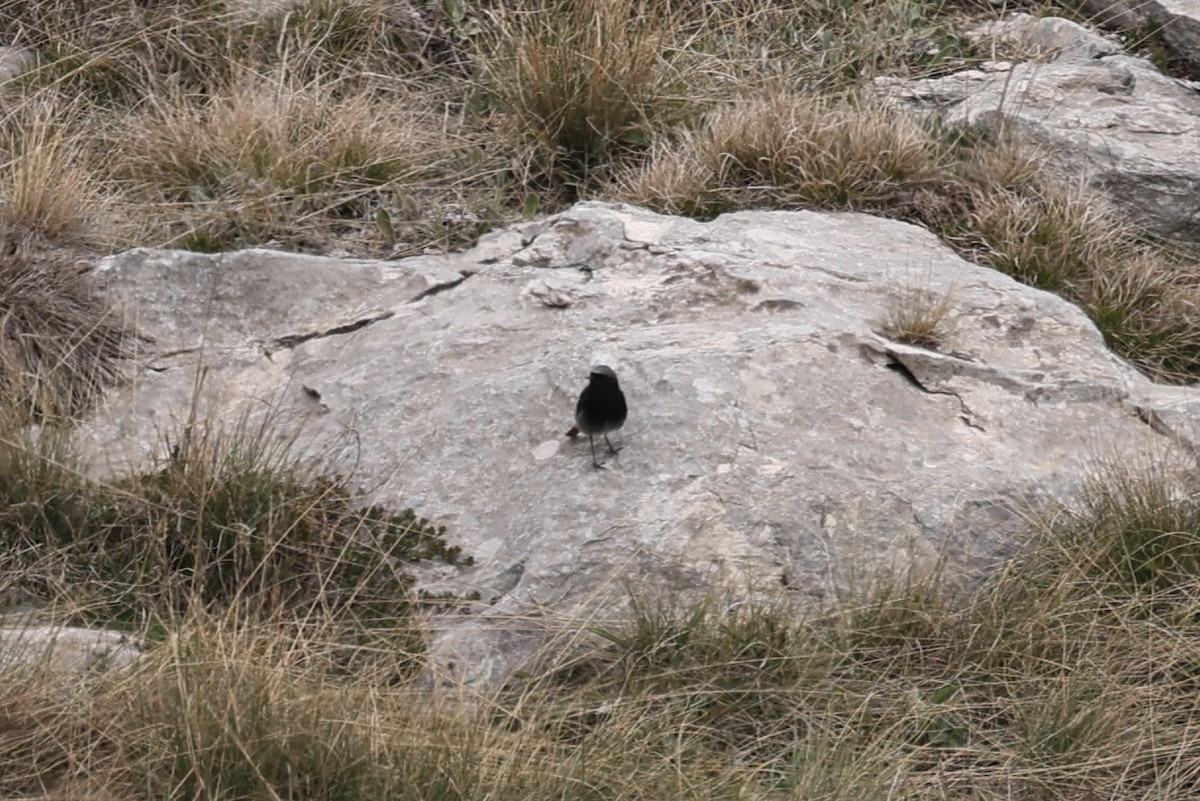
601	409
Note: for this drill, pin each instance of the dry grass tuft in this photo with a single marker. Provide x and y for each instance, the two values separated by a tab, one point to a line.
1147	305
311	125
47	185
114	53
234	707
1066	674
60	345
117	53
792	149
228	521
917	316
223	703
586	81
1145	300
1052	238
49	736
1061	677
831	46
784	149
267	159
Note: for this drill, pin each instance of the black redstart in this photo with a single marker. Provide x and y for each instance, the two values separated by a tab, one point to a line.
601	408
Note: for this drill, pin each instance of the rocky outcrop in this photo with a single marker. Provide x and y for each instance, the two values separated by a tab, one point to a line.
1176	21
1117	13
64	650
778	437
14	61
1100	117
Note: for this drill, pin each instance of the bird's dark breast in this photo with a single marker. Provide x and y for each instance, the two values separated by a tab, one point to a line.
600	409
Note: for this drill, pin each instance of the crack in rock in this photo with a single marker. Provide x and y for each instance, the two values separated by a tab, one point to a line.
292	340
895	363
1159	426
152	362
437	289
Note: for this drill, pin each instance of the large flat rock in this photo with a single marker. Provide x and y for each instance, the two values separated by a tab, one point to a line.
775	437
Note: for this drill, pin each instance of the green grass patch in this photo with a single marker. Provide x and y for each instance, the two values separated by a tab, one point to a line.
228	522
1066	673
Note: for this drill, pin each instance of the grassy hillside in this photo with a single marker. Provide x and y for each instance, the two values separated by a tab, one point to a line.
286	633
376	128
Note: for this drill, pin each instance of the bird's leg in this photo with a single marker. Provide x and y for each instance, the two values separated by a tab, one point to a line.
592	441
611	449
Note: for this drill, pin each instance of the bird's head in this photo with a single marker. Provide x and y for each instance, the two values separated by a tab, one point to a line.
603	370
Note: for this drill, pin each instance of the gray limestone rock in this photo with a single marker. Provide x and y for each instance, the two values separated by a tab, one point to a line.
1045	36
1119	12
1108	120
64	649
1178	21
14	61
776	437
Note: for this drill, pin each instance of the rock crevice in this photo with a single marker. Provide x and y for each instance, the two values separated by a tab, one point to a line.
289	341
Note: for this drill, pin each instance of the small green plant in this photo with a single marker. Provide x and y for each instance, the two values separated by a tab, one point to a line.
942	727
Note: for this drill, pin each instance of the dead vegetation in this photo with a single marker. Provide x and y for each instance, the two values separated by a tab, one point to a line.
918	316
387	128
1068	673
60	346
384	129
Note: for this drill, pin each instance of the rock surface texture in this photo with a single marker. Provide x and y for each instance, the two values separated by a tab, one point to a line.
1176	21
14	61
64	649
1103	118
776	438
